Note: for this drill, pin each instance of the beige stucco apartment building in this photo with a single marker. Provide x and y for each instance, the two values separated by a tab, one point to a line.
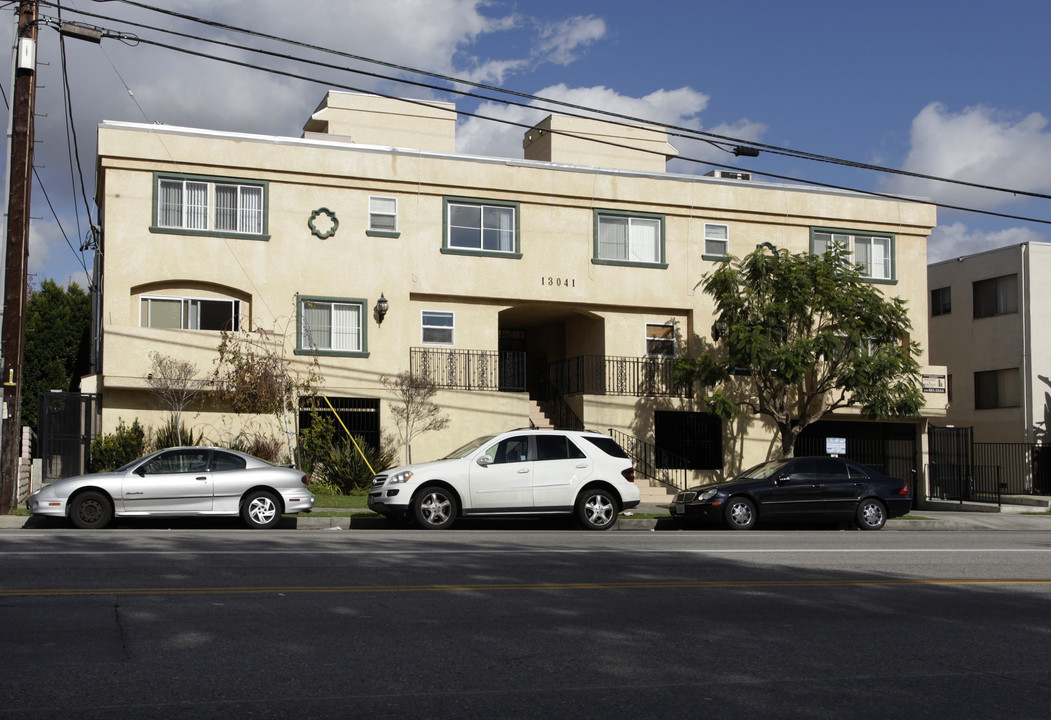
986	328
563	282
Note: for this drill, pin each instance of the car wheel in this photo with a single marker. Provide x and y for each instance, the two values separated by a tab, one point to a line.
872	515
740	514
597	509
91	510
260	510
435	508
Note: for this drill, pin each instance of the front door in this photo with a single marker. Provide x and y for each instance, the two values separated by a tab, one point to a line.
506	483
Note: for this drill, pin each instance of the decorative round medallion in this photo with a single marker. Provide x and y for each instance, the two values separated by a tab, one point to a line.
326	228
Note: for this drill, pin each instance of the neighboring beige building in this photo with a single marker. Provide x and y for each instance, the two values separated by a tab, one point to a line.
985	327
565	281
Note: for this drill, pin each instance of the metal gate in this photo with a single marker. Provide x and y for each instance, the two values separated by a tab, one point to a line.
889	448
951	475
66	425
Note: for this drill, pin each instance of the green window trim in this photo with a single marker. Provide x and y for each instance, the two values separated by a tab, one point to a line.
597	259
514	254
362	304
890	237
211	181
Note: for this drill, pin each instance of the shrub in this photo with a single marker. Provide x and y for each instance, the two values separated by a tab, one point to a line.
168	435
264	447
113	450
315	442
345	468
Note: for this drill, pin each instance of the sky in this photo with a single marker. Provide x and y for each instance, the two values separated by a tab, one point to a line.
958	91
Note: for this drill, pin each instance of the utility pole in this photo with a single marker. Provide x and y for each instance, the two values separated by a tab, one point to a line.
23	106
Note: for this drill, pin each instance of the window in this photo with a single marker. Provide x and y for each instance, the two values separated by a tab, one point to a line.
437	327
222	461
660	340
716	240
997	389
872	254
202	205
557	447
475	227
178	461
510	450
941	301
331	326
383	216
996	296
623	238
182	313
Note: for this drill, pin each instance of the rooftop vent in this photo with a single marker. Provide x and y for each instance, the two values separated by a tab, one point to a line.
729	175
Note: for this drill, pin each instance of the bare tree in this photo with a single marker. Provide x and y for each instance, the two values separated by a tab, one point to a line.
175	385
254	375
417	413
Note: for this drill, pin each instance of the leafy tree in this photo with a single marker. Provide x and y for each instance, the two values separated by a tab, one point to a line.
417	413
58	323
176	386
801	335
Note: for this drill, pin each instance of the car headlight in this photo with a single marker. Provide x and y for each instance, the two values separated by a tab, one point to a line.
401	477
708	494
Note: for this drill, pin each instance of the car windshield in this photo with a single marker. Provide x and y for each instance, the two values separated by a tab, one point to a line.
133	463
467	449
763	471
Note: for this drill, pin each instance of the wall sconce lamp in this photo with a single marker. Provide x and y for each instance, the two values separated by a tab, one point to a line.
382	305
719	329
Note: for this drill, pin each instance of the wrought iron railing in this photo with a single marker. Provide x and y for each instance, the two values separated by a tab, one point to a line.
982	484
470	369
557	408
652	462
1025	467
605	375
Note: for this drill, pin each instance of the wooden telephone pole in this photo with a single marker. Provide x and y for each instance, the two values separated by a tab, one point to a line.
23	106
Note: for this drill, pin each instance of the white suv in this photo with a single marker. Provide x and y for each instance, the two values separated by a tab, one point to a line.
520	472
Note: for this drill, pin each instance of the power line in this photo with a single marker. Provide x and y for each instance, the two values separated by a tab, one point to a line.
685	132
689	133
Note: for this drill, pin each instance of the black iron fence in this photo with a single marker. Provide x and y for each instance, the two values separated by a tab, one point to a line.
604	375
470	369
1024	468
983	484
652	462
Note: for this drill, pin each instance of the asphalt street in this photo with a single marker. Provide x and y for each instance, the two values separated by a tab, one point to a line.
512	623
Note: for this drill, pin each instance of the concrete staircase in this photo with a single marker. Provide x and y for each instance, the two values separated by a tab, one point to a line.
654	491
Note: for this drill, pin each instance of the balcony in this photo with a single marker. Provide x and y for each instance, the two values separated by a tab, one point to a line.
470	369
586	374
602	375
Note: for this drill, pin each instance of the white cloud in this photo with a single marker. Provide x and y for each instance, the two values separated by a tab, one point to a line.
980	145
485	137
559	42
956	239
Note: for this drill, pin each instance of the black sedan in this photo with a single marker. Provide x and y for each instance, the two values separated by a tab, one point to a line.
806	488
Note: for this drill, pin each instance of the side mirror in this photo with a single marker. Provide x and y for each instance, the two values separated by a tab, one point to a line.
781	480
485	460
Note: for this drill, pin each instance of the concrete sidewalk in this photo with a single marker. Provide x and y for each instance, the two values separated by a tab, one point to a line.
926	519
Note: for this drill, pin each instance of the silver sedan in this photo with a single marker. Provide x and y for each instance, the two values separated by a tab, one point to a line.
179	481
